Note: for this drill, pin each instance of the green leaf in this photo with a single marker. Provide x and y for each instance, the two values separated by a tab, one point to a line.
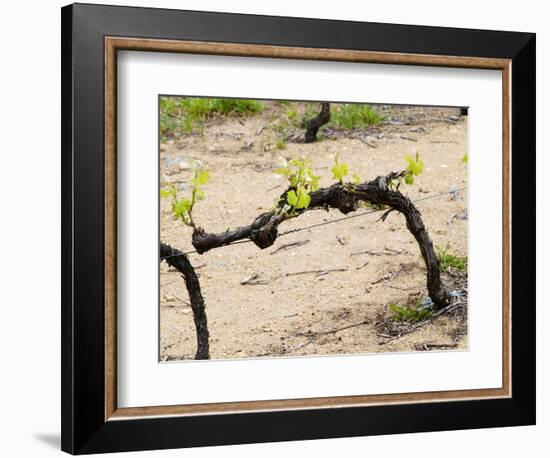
165	193
284	172
302	180
392	184
415	165
181	207
293	180
296	162
356	178
303	199
312	181
339	171
201	177
292	198
199	194
465	158
169	191
409	179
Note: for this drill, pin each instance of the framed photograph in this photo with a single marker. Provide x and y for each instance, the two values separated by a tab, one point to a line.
281	229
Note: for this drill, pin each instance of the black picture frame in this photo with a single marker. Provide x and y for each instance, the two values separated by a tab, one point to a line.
84	428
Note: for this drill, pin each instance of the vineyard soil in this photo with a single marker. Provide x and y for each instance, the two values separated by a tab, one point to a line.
329	292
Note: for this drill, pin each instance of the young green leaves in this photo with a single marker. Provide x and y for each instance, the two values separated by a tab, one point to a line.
302	182
356	179
339	169
298	171
414	168
201	178
182	208
298	200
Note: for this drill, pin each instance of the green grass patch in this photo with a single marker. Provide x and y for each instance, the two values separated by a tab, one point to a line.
353	115
280	144
410	314
187	114
287	116
311	110
296	115
235	106
448	260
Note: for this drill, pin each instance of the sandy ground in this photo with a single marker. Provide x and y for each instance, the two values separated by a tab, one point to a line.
290	314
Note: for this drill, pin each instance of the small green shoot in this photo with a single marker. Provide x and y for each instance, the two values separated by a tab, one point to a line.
302	181
339	169
448	260
356	179
298	199
415	167
465	158
183	208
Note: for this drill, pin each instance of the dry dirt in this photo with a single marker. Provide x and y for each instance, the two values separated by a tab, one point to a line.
291	314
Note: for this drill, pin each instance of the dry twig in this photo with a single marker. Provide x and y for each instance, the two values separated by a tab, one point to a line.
332	331
318	272
253	278
286	246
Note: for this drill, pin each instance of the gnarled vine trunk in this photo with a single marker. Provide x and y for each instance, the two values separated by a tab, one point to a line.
263	230
313	125
180	262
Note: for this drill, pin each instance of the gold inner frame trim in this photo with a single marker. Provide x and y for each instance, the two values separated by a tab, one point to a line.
114	44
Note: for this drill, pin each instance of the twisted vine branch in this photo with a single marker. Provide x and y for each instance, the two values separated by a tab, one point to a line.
313	125
263	230
180	262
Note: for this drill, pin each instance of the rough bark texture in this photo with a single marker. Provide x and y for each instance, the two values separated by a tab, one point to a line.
312	126
263	230
179	261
